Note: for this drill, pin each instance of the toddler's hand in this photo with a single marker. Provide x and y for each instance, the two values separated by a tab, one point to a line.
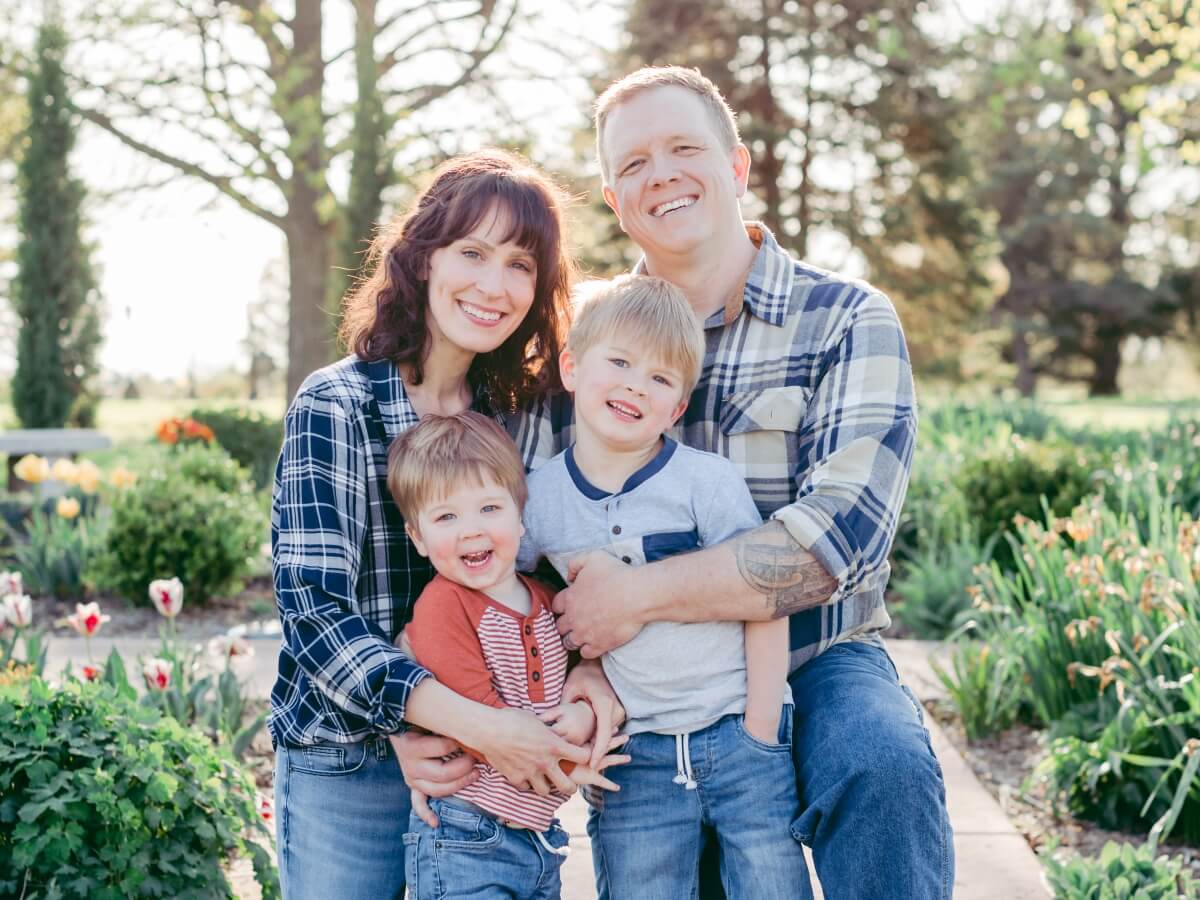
764	728
582	775
574	722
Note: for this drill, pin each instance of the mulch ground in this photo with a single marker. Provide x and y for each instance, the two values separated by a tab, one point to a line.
1003	764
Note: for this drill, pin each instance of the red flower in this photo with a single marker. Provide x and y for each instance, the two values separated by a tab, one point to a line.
91	673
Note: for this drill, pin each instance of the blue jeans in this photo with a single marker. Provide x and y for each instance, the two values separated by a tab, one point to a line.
647	837
872	801
341	811
471	855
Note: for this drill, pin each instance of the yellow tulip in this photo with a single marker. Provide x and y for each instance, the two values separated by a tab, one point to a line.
121	477
32	469
64	470
88	477
68	507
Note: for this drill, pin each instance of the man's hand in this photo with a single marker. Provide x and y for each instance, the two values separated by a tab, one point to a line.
599	609
573	721
433	766
587	682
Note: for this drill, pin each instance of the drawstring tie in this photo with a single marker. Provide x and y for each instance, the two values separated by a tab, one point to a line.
557	851
683	763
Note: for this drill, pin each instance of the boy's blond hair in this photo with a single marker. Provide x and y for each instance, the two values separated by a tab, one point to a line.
722	117
648	311
440	453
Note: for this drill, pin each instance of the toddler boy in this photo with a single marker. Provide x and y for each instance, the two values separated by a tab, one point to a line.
710	741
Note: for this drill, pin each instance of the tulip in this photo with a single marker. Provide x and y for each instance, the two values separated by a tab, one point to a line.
67	507
266	808
157	672
87	476
32	469
18	610
120	477
90	672
167	596
168	431
10	583
64	470
87	619
229	647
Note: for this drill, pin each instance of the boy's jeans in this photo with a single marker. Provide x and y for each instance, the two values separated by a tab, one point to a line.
471	855
341	811
647	837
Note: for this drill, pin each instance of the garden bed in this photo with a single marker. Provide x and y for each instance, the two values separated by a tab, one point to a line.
1003	763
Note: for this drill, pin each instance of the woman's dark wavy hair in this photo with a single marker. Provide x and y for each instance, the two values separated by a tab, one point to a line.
384	314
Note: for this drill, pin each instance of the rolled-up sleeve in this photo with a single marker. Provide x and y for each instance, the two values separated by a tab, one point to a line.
319	514
859	432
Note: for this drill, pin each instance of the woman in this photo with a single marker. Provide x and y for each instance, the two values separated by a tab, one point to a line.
464	307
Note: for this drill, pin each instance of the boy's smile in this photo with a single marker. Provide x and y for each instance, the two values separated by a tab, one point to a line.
471	536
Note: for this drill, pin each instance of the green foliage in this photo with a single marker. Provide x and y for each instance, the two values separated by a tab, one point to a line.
1001	483
53	553
249	437
54	289
194	519
103	799
1121	872
985	686
933	583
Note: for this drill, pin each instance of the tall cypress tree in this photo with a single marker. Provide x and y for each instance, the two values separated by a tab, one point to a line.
54	290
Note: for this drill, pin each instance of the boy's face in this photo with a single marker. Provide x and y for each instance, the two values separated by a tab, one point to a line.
471	535
626	396
672	183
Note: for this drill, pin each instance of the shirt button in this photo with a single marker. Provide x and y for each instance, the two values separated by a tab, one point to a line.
616	529
536	676
626	560
528	630
533	651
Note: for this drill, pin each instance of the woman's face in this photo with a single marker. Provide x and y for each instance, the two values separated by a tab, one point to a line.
480	288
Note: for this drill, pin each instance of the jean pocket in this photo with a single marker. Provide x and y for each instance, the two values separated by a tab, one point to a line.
327	759
783	738
460	829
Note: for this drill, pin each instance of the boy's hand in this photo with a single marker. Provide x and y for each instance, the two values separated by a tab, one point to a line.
574	721
586	681
582	775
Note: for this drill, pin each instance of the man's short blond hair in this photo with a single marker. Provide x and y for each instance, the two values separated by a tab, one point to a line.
440	453
648	311
723	119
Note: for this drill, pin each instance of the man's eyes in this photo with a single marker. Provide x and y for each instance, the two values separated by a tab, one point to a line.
631	166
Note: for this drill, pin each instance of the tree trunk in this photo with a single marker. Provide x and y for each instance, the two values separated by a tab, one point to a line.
310	338
1107	363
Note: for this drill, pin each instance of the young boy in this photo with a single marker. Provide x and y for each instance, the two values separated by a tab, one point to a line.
489	634
710	741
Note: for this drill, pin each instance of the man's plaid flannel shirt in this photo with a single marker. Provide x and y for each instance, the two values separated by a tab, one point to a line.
346	574
807	388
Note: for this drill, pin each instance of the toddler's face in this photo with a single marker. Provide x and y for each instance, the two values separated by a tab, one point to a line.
471	535
626	395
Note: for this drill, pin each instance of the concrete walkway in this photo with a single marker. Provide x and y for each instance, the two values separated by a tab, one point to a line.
993	862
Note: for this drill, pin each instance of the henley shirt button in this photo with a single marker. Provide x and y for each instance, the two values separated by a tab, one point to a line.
616	529
626	560
536	676
533	651
528	630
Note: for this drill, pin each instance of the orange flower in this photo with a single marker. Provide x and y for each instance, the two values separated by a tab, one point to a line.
168	431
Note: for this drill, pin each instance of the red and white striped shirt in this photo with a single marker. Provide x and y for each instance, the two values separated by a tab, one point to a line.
489	653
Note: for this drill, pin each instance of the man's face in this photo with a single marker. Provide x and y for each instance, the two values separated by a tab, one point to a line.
672	183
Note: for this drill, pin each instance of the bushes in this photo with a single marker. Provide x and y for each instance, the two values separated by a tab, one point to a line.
195	519
249	437
1120	872
100	798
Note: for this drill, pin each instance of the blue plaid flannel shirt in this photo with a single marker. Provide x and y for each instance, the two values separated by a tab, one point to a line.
808	390
346	574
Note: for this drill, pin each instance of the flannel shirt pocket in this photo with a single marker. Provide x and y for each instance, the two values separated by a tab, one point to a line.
768	409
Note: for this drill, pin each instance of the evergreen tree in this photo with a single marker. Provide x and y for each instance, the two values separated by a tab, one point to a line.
54	289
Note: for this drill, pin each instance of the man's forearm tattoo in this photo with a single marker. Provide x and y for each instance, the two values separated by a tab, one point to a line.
790	577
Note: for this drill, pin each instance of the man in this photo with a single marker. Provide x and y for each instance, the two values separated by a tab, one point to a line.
807	388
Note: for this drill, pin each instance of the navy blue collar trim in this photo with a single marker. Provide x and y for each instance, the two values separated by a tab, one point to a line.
645	473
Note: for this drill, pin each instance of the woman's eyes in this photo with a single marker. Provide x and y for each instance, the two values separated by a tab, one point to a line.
523	266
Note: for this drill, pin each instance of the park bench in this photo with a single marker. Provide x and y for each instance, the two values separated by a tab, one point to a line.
52	443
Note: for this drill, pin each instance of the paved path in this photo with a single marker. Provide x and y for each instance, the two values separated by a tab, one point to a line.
992	859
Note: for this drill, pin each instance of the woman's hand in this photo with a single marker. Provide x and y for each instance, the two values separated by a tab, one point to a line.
526	752
433	766
587	682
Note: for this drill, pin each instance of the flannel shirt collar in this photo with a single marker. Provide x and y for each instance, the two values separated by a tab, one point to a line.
391	401
767	290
